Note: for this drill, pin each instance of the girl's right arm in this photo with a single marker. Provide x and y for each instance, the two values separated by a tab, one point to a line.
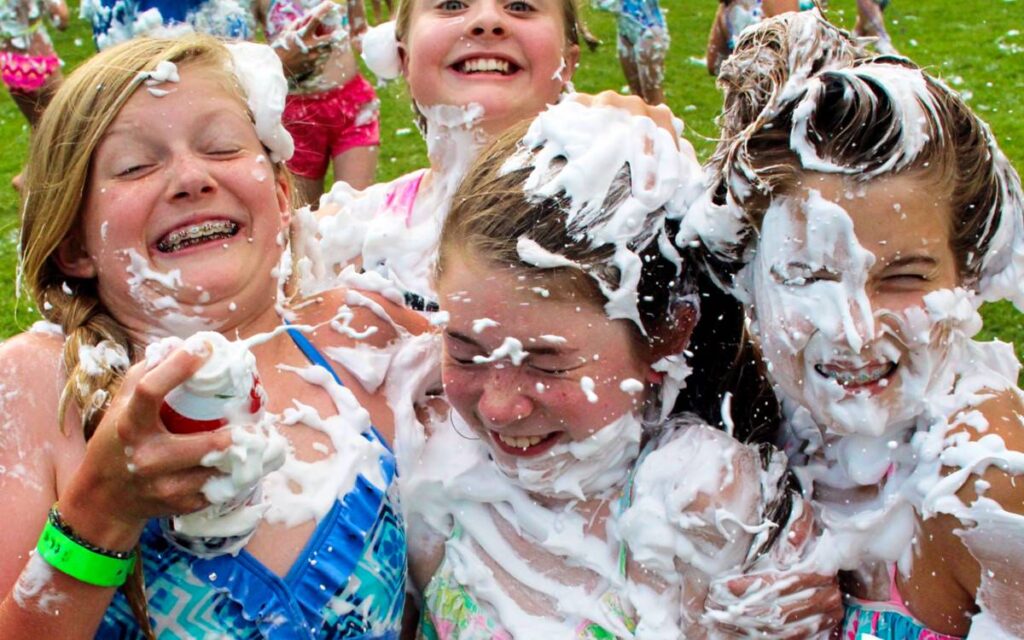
132	469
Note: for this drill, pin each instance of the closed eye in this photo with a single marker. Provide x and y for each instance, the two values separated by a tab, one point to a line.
551	371
132	170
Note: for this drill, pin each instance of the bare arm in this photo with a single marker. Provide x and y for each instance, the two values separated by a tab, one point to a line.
718	42
357	24
979	552
99	497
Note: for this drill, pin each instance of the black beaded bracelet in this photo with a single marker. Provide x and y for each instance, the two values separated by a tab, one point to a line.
57	521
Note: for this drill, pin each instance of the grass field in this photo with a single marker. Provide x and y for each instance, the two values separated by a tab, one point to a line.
977	46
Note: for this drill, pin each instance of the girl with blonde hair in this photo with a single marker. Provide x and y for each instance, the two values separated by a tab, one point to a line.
156	205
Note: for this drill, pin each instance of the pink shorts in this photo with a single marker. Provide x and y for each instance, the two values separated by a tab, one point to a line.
26	73
325	125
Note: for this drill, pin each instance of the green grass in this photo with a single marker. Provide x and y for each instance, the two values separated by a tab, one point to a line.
970	43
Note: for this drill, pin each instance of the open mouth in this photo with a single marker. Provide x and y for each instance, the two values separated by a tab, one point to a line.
525	445
196	234
471	66
851	377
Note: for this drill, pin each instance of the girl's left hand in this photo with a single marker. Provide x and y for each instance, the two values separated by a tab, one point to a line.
660	114
784	599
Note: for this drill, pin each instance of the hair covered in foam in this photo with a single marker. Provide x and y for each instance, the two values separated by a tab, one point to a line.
802	105
548	200
801	97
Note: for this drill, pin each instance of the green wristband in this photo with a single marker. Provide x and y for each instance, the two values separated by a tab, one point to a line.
67	556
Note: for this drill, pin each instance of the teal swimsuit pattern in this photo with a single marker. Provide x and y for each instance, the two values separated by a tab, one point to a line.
348	582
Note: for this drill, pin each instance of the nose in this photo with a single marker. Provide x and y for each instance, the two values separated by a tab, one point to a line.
858	322
503	399
488	20
190	178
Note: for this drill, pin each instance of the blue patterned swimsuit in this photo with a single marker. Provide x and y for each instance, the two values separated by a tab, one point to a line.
348	582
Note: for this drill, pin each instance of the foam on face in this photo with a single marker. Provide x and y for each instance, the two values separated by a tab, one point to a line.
803	280
812	315
558	150
452	483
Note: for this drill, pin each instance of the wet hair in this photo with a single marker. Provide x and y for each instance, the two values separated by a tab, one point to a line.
491	211
56	181
797	77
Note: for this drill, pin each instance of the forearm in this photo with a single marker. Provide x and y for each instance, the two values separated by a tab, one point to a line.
45	603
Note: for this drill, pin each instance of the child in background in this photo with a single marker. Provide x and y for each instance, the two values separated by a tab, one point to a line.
332	111
29	66
115	21
733	16
871	24
473	69
558	500
643	43
863	213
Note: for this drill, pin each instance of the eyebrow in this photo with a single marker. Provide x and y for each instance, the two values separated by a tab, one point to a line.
532	350
912	260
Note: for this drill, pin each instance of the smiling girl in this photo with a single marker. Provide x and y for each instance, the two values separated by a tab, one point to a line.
473	68
862	213
156	205
557	499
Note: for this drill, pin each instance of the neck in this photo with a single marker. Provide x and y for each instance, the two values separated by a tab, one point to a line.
454	137
234	324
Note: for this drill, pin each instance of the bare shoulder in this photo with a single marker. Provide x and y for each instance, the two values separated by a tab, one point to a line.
31	366
985	447
366	317
989	438
31	383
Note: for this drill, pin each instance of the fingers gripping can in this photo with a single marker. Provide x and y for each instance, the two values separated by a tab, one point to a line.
225	391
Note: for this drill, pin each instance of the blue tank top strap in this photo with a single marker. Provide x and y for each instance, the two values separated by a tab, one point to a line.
317	358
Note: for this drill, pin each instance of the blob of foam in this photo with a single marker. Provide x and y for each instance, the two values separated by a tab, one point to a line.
261	76
380	51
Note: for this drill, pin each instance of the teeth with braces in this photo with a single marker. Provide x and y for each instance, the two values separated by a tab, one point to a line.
520	442
196	232
485	64
862	376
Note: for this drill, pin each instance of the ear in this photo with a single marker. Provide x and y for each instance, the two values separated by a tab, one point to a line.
572	58
676	339
72	258
403	60
283	191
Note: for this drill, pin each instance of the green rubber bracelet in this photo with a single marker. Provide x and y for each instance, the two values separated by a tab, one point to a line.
67	556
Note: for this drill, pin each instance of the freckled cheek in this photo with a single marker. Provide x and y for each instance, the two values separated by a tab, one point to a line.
462	389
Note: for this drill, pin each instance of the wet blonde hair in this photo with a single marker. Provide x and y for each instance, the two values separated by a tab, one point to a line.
855	126
56	181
